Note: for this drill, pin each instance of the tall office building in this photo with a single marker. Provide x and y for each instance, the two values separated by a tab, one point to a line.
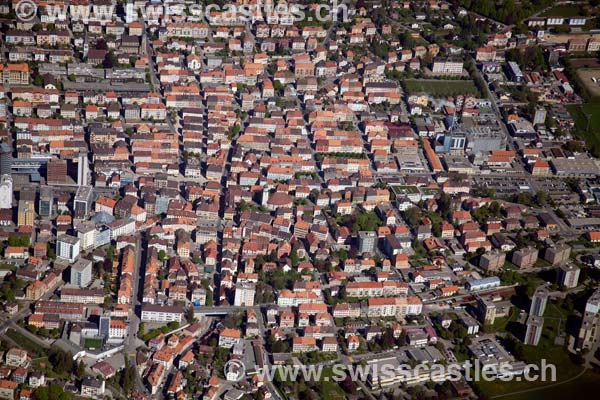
244	294
67	247
568	276
539	301
587	334
86	232
5	159
82	170
81	273
487	311
46	201
367	241
104	326
540	116
83	201
533	333
56	172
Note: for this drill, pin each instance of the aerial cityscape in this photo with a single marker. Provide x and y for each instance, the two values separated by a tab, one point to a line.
299	200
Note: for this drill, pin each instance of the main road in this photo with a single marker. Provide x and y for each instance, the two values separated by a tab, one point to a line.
134	320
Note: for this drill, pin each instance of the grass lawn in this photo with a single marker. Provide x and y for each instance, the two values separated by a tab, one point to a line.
440	88
565	369
91	343
587	123
44	365
7	267
326	386
27	344
330	389
500	324
586	386
565	10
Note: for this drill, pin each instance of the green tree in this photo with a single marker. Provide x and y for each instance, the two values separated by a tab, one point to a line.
127	378
80	370
60	360
51	392
412	216
110	253
20	241
190	315
294	257
541	198
110	60
234	130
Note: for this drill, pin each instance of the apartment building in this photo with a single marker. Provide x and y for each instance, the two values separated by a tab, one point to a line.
447	66
17	358
15	74
158	313
303	344
92	387
80	295
229	338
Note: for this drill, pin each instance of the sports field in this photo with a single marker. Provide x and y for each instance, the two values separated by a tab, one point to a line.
440	88
586	75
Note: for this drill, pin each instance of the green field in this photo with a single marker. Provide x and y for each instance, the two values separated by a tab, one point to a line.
7	267
586	386
587	124
25	343
440	88
565	10
329	389
565	370
91	343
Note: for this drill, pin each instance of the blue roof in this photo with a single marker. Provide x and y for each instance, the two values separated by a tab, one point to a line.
103	218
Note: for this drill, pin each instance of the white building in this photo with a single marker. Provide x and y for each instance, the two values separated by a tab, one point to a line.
121	227
158	313
81	273
117	329
482	284
86	232
67	247
91	387
6	192
447	66
244	294
229	338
